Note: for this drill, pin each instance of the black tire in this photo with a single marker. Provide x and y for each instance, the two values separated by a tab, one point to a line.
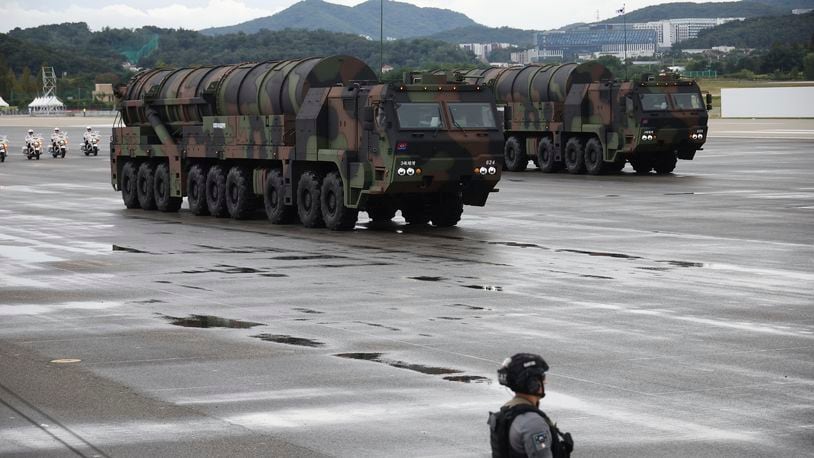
546	156
2	158
514	155
594	157
575	156
274	199
642	165
308	199
416	212
240	198
96	152
87	153
447	211
196	190
129	185
665	164
162	189
336	215
37	156
62	155
381	210
216	192
145	179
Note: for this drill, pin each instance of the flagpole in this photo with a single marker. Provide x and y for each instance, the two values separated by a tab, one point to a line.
381	40
624	22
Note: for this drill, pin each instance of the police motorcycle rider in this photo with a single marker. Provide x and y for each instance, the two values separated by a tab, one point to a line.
3	148
32	145
90	140
520	428
59	143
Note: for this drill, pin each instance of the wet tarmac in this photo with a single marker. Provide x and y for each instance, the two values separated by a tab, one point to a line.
675	313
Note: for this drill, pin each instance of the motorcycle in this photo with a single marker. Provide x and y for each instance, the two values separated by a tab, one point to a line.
59	146
3	148
91	144
33	147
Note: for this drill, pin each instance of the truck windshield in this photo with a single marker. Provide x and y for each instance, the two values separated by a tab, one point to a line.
690	101
419	116
654	102
472	115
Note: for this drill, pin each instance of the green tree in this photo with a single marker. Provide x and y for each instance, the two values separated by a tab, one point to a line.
808	66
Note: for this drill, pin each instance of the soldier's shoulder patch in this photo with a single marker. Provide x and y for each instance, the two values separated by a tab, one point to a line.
539	440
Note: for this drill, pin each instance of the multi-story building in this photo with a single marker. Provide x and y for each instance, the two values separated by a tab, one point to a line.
598	41
482	50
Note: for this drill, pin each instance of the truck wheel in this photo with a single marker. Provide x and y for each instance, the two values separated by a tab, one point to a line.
240	198
546	155
574	156
308	200
336	215
594	157
274	199
144	186
641	164
514	155
665	164
196	190
129	185
416	212
162	189
447	211
216	192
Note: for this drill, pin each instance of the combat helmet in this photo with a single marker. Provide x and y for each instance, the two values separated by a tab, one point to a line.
523	373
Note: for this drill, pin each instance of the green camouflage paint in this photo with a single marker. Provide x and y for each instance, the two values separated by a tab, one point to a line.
320	116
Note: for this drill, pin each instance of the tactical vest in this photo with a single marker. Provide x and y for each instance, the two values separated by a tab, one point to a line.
561	444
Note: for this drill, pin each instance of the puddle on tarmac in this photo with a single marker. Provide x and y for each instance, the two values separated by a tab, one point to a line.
128	249
611	195
376	357
240	250
424	278
209	321
307	257
225	269
289	340
148	301
468	307
484	287
273	275
519	245
598	277
195	287
684	263
599	253
468	379
164	282
450	318
679	193
377	325
311	311
658	269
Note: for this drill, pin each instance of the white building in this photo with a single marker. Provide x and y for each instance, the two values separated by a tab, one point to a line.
672	31
482	50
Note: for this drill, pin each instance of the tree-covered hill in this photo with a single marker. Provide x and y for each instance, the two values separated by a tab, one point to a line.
745	9
484	34
401	20
762	32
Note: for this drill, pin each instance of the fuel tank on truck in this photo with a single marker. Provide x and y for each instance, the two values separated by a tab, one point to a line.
184	96
536	82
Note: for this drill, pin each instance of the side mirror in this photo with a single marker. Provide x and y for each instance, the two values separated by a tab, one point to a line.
709	101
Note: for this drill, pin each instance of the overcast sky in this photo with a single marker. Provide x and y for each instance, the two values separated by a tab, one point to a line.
199	14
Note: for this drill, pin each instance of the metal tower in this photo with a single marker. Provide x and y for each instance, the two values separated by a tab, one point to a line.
49	89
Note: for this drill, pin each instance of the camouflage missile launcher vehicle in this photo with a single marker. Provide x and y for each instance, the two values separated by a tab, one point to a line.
577	117
315	139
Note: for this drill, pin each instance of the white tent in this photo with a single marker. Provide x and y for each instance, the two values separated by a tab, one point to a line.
45	105
3	103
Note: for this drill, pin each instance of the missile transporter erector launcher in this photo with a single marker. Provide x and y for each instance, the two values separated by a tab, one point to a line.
577	117
315	139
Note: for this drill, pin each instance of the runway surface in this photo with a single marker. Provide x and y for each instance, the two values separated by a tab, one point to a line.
675	313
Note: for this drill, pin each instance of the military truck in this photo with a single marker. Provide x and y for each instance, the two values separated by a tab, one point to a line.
315	139
577	117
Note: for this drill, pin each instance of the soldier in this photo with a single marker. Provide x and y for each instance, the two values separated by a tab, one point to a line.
520	428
